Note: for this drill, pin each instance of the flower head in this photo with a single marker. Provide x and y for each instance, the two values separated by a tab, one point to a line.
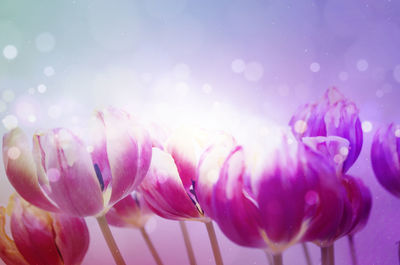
269	194
385	158
42	237
333	115
131	211
170	188
64	174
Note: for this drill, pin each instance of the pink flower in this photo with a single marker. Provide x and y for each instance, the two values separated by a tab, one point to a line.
64	174
42	237
131	211
170	186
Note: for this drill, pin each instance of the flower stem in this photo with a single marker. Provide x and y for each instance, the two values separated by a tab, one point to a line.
277	258
105	229
306	253
214	243
353	253
151	246
327	255
188	244
269	258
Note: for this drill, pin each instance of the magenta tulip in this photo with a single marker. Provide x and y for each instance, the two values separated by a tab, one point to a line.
42	237
333	115
66	175
385	158
268	196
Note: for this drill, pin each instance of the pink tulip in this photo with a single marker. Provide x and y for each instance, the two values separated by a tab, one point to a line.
64	174
132	211
42	237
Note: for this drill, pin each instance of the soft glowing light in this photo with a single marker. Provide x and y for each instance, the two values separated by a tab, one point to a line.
181	71
41	88
13	153
182	89
397	133
344	150
300	126
396	73
366	126
8	95
362	65
387	88
10	52
165	10
10	122
238	66
54	111
315	67
31	118
284	90
90	149
45	42
48	71
53	174
207	88
343	76
254	71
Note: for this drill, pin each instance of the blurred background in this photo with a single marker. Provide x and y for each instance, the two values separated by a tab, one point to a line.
225	63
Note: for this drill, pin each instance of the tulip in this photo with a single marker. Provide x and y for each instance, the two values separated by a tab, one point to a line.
356	197
333	115
170	187
133	212
42	237
65	175
268	195
385	158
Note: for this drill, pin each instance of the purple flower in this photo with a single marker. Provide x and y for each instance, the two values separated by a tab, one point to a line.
64	174
333	115
269	195
42	237
385	157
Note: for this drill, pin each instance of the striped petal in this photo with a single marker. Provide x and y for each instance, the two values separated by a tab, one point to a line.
71	180
21	171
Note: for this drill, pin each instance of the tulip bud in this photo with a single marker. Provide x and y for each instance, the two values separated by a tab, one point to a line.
131	211
333	115
385	158
42	237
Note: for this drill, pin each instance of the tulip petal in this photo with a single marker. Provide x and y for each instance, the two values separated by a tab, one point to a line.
131	211
72	181
235	211
32	231
128	150
21	171
164	192
71	238
8	250
208	170
385	159
335	149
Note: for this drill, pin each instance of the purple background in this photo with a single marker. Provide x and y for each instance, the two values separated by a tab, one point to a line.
225	63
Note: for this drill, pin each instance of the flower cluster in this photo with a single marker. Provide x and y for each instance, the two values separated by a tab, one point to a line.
291	186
